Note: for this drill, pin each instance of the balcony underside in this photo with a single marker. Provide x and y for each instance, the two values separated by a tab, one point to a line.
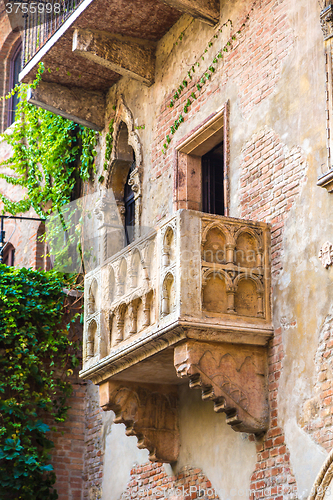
143	19
152	356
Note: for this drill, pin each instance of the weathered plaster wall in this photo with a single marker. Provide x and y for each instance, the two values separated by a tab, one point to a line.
274	80
273	77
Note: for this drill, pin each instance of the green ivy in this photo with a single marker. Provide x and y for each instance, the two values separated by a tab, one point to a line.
36	357
49	153
108	145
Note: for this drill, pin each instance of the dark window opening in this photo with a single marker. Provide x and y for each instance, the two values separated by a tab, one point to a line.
129	208
8	255
213	181
15	68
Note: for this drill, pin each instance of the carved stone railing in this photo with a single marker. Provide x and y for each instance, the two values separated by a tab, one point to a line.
190	299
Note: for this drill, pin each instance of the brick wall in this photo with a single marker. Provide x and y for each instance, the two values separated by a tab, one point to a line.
151	481
94	450
317	414
271	178
273	477
253	64
69	446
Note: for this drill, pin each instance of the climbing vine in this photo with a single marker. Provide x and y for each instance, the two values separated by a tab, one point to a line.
49	154
37	353
204	77
108	148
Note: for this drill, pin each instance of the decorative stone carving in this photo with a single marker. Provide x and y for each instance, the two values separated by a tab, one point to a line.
194	294
167	295
326	21
326	254
233	269
119	323
233	377
92	297
91	339
149	412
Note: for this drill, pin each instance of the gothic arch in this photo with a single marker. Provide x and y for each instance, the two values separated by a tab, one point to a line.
125	142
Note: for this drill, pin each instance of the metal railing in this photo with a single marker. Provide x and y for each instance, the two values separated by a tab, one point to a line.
42	18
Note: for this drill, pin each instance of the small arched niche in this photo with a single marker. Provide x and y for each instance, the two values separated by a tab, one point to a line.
168	295
214	249
214	294
135	273
122	278
246	298
246	250
168	253
93	297
91	339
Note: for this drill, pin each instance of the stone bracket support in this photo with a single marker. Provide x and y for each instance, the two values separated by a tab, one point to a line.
207	11
149	412
70	103
233	377
127	56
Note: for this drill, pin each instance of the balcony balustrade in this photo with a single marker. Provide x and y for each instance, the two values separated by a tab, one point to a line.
190	299
41	21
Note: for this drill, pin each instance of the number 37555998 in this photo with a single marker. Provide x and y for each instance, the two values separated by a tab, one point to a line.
33	7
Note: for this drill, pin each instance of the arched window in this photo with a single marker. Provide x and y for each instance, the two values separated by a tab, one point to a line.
15	68
129	203
8	255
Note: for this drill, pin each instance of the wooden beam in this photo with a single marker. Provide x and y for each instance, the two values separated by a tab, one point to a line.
207	11
127	56
76	104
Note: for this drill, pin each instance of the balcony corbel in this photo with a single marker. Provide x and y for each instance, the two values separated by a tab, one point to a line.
149	412
233	377
125	55
70	103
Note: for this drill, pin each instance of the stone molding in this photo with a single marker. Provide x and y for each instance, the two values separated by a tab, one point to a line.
323	480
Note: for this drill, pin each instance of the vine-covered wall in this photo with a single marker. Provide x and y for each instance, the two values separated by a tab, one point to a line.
268	65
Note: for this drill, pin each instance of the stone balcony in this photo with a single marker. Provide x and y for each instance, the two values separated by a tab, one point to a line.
190	300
